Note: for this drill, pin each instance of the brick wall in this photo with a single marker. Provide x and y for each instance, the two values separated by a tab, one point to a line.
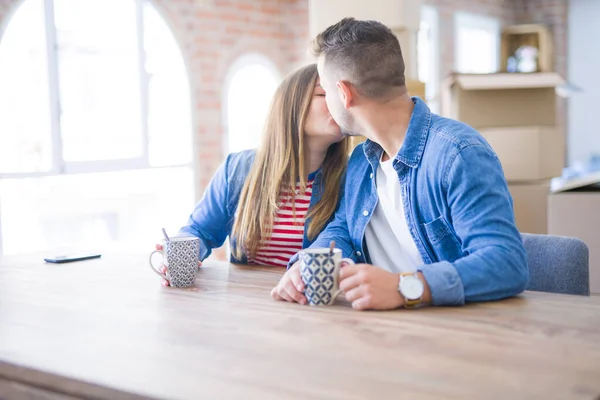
294	25
212	35
555	15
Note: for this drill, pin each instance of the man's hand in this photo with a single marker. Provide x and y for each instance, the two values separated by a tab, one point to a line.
290	287
370	288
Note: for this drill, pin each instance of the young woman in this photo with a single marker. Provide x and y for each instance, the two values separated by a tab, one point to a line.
275	201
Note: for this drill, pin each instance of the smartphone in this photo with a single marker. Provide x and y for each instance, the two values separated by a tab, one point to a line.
71	258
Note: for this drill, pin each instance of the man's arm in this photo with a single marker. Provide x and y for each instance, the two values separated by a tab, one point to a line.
482	217
336	230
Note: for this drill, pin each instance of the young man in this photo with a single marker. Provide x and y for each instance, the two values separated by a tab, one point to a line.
426	211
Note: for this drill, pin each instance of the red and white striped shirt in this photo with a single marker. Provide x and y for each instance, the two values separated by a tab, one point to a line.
288	232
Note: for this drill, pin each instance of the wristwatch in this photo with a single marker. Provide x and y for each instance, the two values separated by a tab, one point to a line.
411	288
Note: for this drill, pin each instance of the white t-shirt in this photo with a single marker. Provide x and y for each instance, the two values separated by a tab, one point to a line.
389	241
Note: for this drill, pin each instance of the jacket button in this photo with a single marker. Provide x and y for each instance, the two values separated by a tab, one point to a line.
371	176
358	253
365	213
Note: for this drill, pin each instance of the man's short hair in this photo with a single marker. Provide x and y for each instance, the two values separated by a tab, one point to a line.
365	53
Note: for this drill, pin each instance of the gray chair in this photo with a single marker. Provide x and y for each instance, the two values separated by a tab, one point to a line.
557	264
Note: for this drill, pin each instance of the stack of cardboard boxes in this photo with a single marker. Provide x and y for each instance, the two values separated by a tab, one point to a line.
516	114
574	210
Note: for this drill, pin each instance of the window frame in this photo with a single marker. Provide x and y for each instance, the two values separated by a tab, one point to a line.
59	166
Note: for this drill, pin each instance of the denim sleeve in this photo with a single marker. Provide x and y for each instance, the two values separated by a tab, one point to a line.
336	230
210	219
495	266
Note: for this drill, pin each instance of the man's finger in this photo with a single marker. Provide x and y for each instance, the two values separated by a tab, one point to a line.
348	271
350	282
354	294
363	303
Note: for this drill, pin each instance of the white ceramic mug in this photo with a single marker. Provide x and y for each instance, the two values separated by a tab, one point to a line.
180	255
320	272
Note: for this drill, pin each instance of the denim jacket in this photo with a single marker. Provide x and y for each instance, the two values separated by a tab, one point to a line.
213	217
457	207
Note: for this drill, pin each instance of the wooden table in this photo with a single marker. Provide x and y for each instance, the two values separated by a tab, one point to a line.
107	329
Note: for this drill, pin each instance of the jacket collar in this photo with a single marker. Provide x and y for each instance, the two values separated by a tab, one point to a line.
412	148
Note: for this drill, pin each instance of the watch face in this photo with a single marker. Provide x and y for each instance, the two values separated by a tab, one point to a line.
411	287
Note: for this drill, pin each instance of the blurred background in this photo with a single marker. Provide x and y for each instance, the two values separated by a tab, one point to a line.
114	114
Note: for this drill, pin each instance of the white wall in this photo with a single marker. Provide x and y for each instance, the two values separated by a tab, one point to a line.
584	72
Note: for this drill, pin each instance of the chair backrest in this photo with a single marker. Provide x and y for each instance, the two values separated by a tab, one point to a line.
557	264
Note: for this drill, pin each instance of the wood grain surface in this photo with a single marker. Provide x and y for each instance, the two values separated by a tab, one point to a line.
107	329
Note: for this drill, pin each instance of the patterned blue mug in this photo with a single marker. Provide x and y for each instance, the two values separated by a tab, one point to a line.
320	272
180	256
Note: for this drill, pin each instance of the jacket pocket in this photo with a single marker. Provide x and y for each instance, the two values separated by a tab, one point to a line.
443	240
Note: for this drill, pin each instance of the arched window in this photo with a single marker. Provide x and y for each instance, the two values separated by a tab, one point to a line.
249	88
93	96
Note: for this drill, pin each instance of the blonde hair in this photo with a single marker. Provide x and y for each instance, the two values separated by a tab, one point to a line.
280	165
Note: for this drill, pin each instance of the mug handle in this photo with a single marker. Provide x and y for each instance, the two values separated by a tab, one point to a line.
153	267
343	261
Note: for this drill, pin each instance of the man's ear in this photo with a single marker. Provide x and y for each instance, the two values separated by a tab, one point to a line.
345	92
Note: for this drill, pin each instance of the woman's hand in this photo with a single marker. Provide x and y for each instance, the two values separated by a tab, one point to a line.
163	269
290	287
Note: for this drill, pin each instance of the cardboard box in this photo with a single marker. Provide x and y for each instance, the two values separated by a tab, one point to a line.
577	214
530	203
501	100
528	152
416	88
355	141
535	35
